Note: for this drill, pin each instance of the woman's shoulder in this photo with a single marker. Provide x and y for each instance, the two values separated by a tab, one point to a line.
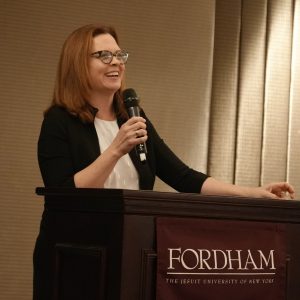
57	118
56	111
58	114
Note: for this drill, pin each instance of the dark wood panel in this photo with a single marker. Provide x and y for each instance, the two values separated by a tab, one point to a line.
80	272
148	274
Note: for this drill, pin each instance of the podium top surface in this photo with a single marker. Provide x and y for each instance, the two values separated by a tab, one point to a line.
130	202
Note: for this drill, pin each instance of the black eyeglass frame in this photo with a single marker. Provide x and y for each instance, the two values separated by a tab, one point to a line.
119	55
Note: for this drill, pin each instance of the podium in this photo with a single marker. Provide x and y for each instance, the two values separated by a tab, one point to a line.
101	243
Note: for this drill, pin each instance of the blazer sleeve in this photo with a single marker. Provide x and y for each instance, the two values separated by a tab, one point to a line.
54	156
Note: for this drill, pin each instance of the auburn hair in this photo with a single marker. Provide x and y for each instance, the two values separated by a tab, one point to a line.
72	84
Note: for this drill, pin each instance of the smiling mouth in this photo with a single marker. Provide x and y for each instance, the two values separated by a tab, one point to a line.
112	74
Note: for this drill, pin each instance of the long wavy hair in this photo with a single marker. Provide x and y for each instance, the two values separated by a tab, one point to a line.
73	84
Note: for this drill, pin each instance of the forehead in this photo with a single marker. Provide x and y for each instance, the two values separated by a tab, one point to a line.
104	42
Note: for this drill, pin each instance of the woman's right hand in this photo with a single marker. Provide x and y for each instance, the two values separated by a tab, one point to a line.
131	133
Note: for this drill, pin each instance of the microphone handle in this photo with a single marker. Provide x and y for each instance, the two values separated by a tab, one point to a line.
133	111
141	149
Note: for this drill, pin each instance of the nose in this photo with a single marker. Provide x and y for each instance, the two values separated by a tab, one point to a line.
115	61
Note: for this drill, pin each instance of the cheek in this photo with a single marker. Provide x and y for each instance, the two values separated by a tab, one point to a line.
122	69
96	67
96	72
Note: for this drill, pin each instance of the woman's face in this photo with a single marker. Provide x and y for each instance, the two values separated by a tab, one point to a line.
105	77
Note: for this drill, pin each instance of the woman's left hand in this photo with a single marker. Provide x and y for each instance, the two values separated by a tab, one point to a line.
281	190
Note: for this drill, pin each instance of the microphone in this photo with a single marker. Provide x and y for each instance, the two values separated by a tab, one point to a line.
131	103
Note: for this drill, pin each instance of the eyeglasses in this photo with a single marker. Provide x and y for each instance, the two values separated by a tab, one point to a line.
107	56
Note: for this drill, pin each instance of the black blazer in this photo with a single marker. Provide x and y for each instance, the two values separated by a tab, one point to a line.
67	145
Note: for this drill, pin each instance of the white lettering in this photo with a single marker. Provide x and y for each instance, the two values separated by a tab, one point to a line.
217	258
171	258
231	259
266	261
250	261
203	260
194	254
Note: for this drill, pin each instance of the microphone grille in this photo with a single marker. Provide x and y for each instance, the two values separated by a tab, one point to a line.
130	97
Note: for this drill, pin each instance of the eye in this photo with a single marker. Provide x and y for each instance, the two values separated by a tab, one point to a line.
122	55
105	55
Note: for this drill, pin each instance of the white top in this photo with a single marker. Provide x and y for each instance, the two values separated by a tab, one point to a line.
124	174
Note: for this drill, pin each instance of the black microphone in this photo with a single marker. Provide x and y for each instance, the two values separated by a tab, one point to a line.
131	103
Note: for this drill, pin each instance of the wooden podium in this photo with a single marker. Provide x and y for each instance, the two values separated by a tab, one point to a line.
101	243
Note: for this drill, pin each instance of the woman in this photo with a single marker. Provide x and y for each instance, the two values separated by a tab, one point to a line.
87	139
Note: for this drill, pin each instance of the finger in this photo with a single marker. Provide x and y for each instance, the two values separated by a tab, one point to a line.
142	139
287	188
290	195
135	127
140	132
134	120
271	195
